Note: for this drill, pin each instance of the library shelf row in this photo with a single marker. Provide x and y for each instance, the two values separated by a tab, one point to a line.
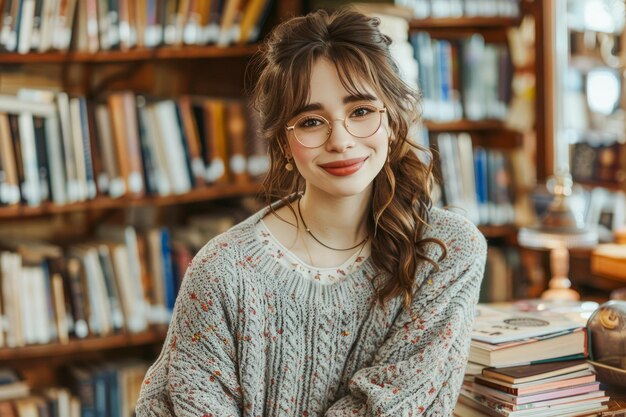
464	125
140	54
212	51
155	335
200	194
476	24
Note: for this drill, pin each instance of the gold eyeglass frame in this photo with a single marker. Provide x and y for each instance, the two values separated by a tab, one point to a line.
330	126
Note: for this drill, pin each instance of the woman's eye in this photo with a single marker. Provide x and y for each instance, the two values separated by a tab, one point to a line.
362	111
310	123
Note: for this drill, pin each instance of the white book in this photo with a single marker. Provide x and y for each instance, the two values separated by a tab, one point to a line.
28	311
468	178
509	326
54	146
448	159
62	33
56	163
101	292
79	150
134	262
473	89
173	143
192	32
456	8
133	308
15	105
26	26
440	8
71	175
157	150
421	8
38	299
114	302
103	25
100	312
47	22
31	187
66	38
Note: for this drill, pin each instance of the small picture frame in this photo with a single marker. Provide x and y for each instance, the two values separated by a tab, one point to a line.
606	212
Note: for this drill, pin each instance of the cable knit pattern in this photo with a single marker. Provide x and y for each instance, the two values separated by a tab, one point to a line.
251	337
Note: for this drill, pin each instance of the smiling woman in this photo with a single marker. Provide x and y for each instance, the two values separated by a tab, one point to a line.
349	294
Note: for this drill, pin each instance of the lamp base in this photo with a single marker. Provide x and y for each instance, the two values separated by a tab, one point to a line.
559	290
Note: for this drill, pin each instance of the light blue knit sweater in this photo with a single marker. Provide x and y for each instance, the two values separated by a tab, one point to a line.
250	337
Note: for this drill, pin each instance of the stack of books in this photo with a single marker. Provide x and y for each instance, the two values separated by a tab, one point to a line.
524	364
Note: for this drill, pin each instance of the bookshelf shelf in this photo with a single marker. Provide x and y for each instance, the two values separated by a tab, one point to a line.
608	185
170	53
464	23
504	231
104	203
464	125
92	344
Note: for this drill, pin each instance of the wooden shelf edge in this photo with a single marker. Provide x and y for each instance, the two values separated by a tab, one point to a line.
608	185
207	193
504	231
91	344
182	52
455	23
464	125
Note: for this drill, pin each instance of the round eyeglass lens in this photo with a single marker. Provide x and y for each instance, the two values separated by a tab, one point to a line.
363	121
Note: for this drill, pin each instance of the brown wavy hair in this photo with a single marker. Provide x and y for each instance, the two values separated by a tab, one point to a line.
402	190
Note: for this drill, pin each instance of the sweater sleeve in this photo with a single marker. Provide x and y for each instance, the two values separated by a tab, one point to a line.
419	368
196	372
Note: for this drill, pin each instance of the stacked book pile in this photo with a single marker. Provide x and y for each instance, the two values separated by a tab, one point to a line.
529	365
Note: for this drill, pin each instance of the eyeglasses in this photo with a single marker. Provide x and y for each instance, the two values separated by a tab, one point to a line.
312	130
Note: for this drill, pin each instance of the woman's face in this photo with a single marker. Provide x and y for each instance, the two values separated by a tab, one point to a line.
366	156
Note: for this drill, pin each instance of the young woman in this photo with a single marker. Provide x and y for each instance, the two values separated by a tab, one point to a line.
350	295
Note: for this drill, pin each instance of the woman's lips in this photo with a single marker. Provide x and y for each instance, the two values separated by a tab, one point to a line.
343	168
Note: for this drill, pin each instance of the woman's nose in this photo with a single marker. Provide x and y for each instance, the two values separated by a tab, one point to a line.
340	139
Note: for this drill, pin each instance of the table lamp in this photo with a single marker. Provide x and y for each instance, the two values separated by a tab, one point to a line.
560	229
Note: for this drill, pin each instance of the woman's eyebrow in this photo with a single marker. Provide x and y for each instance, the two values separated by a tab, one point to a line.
347	99
358	97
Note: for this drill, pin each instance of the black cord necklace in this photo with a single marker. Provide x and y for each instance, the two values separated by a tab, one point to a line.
318	241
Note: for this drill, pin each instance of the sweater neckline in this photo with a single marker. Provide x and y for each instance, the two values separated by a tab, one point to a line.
338	293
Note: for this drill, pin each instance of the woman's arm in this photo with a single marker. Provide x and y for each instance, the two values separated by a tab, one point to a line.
419	369
196	373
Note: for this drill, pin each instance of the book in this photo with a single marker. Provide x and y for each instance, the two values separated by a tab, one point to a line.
530	373
569	345
9	187
531	398
578	405
537	387
512	326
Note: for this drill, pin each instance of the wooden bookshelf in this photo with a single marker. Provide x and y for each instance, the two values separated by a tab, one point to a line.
91	344
105	203
167	53
476	24
464	125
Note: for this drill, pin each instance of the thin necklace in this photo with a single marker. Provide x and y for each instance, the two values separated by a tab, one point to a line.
318	241
350	267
